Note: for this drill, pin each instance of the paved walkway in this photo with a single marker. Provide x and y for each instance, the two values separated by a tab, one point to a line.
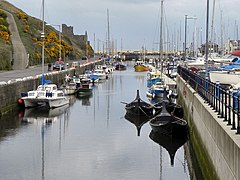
20	57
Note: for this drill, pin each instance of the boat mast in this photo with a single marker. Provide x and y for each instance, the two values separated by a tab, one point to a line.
108	33
161	33
161	40
206	45
43	45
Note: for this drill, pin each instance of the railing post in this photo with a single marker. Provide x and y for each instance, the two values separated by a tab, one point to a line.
222	101
217	96
226	105
213	95
235	106
238	117
206	89
229	108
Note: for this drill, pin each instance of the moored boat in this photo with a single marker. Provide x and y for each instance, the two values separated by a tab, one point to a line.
167	123
45	95
85	88
140	66
120	66
139	107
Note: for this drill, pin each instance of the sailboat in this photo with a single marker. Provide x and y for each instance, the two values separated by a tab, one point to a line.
158	89
45	94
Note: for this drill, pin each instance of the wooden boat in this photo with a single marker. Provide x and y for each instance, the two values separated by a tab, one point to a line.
138	121
171	144
167	123
172	108
139	107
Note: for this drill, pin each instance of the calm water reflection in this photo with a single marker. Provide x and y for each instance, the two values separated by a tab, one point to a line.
92	139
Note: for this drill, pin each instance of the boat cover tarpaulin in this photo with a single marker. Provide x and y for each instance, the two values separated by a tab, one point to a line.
236	53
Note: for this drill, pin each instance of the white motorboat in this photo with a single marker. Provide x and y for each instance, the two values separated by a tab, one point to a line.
100	73
157	90
45	95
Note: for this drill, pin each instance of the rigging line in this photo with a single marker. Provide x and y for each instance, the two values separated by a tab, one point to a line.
156	34
213	13
166	27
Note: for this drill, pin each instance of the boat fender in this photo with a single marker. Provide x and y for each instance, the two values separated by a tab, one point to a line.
20	101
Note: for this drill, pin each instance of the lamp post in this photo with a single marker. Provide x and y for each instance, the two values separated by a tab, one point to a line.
185	38
60	42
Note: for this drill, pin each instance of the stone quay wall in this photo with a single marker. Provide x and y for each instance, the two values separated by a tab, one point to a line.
217	146
10	93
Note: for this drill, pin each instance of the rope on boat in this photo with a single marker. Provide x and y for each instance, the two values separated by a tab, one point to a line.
144	112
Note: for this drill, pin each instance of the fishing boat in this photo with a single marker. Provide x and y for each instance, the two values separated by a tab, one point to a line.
46	94
140	66
71	85
120	66
70	88
167	123
99	74
171	144
172	108
85	88
139	107
157	90
153	77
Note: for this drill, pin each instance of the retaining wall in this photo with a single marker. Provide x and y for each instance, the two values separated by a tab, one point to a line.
10	93
221	144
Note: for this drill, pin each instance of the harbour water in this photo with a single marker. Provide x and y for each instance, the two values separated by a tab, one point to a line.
88	140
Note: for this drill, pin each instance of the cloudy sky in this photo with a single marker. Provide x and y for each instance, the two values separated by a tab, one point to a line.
135	23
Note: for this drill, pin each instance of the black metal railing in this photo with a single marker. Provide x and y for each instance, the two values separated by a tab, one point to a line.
222	99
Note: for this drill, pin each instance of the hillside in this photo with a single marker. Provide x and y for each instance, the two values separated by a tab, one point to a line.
30	29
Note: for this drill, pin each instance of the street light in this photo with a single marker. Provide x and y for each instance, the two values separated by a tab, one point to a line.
185	40
60	42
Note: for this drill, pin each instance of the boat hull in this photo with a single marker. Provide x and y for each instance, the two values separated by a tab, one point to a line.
140	68
120	67
50	102
171	128
224	77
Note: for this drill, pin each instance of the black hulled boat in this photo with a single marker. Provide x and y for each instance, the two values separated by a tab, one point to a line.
167	123
139	107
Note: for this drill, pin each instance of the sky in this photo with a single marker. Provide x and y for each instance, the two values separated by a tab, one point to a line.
134	24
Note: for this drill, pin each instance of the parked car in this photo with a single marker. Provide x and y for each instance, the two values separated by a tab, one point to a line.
58	66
